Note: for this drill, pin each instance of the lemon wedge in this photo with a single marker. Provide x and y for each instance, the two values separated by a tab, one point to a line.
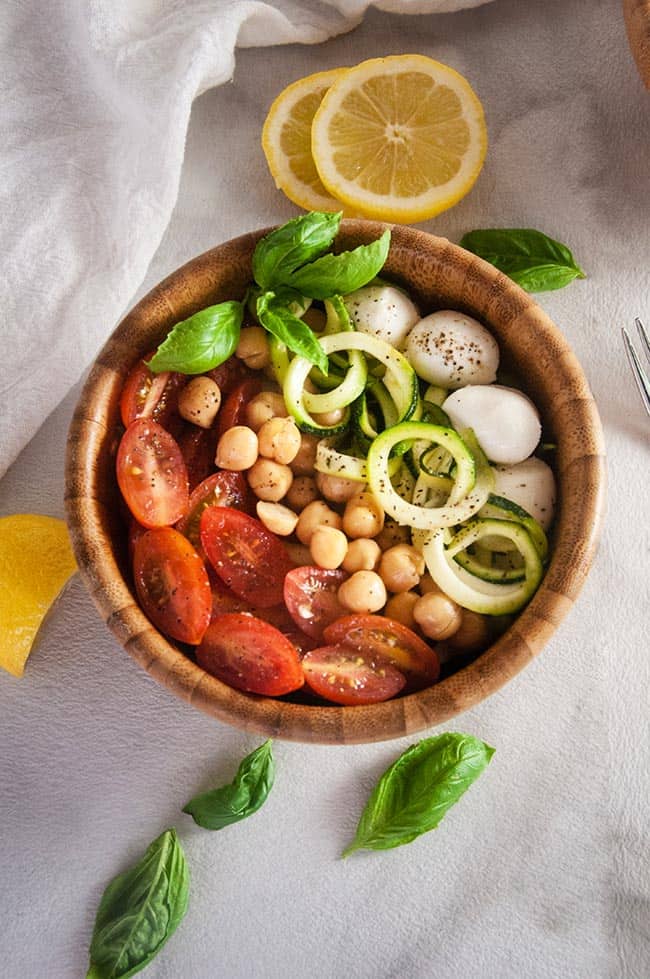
35	562
286	141
399	138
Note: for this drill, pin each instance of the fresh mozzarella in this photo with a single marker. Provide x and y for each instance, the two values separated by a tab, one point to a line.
531	484
383	311
452	350
505	421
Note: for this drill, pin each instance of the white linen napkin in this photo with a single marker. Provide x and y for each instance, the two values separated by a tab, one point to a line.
94	117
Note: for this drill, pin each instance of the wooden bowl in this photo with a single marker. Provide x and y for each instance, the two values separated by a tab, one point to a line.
439	275
637	24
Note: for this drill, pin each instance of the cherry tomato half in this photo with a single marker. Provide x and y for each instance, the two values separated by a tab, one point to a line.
149	395
310	596
229	374
249	654
225	600
233	410
172	584
248	558
347	676
377	635
151	474
198	447
224	489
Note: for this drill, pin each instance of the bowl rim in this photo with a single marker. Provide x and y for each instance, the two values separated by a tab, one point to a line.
92	439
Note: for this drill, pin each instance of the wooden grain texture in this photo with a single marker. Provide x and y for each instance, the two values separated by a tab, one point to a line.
637	24
440	275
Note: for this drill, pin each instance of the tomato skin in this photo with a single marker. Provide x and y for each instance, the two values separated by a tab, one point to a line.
227	375
233	410
172	584
151	474
310	596
198	447
378	635
249	654
225	600
136	530
149	395
350	677
248	558
224	489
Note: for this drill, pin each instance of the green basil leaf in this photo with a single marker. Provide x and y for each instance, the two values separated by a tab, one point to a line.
293	332
418	789
284	250
139	911
246	793
341	274
533	260
201	342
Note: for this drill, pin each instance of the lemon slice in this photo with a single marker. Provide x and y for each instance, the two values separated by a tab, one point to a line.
399	138
286	141
35	562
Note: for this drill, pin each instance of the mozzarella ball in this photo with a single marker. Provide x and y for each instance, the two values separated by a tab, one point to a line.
505	421
451	349
383	311
531	484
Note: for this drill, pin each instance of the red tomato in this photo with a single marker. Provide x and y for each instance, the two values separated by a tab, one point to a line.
233	410
151	474
172	584
136	530
223	489
310	596
248	558
228	374
149	395
225	600
198	447
347	676
249	654
377	635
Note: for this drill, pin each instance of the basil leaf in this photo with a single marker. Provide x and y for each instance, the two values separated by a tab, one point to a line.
418	789
201	342
342	273
139	911
246	793
293	332
284	250
533	260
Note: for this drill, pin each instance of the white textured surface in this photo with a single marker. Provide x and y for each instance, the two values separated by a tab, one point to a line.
541	871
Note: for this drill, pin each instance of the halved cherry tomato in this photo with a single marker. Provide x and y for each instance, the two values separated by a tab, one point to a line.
225	600
224	489
248	558
233	410
172	584
198	447
347	676
149	395
310	596
377	635
230	373
136	530
249	654
151	474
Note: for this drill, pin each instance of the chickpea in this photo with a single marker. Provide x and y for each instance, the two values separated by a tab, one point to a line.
264	406
437	615
329	418
303	464
328	547
279	439
401	567
301	492
199	401
237	449
315	318
392	534
363	555
277	518
316	514
336	488
253	347
400	607
363	516
364	591
473	634
427	584
269	480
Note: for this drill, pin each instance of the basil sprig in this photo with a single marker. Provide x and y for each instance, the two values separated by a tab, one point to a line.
242	797
342	273
201	342
277	318
414	794
533	260
284	250
139	911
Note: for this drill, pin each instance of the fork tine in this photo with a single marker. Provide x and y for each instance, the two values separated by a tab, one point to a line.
644	337
640	376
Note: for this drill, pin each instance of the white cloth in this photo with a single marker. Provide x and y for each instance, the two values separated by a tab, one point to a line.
94	114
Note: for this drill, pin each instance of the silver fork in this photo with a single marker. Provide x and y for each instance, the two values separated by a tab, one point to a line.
640	376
